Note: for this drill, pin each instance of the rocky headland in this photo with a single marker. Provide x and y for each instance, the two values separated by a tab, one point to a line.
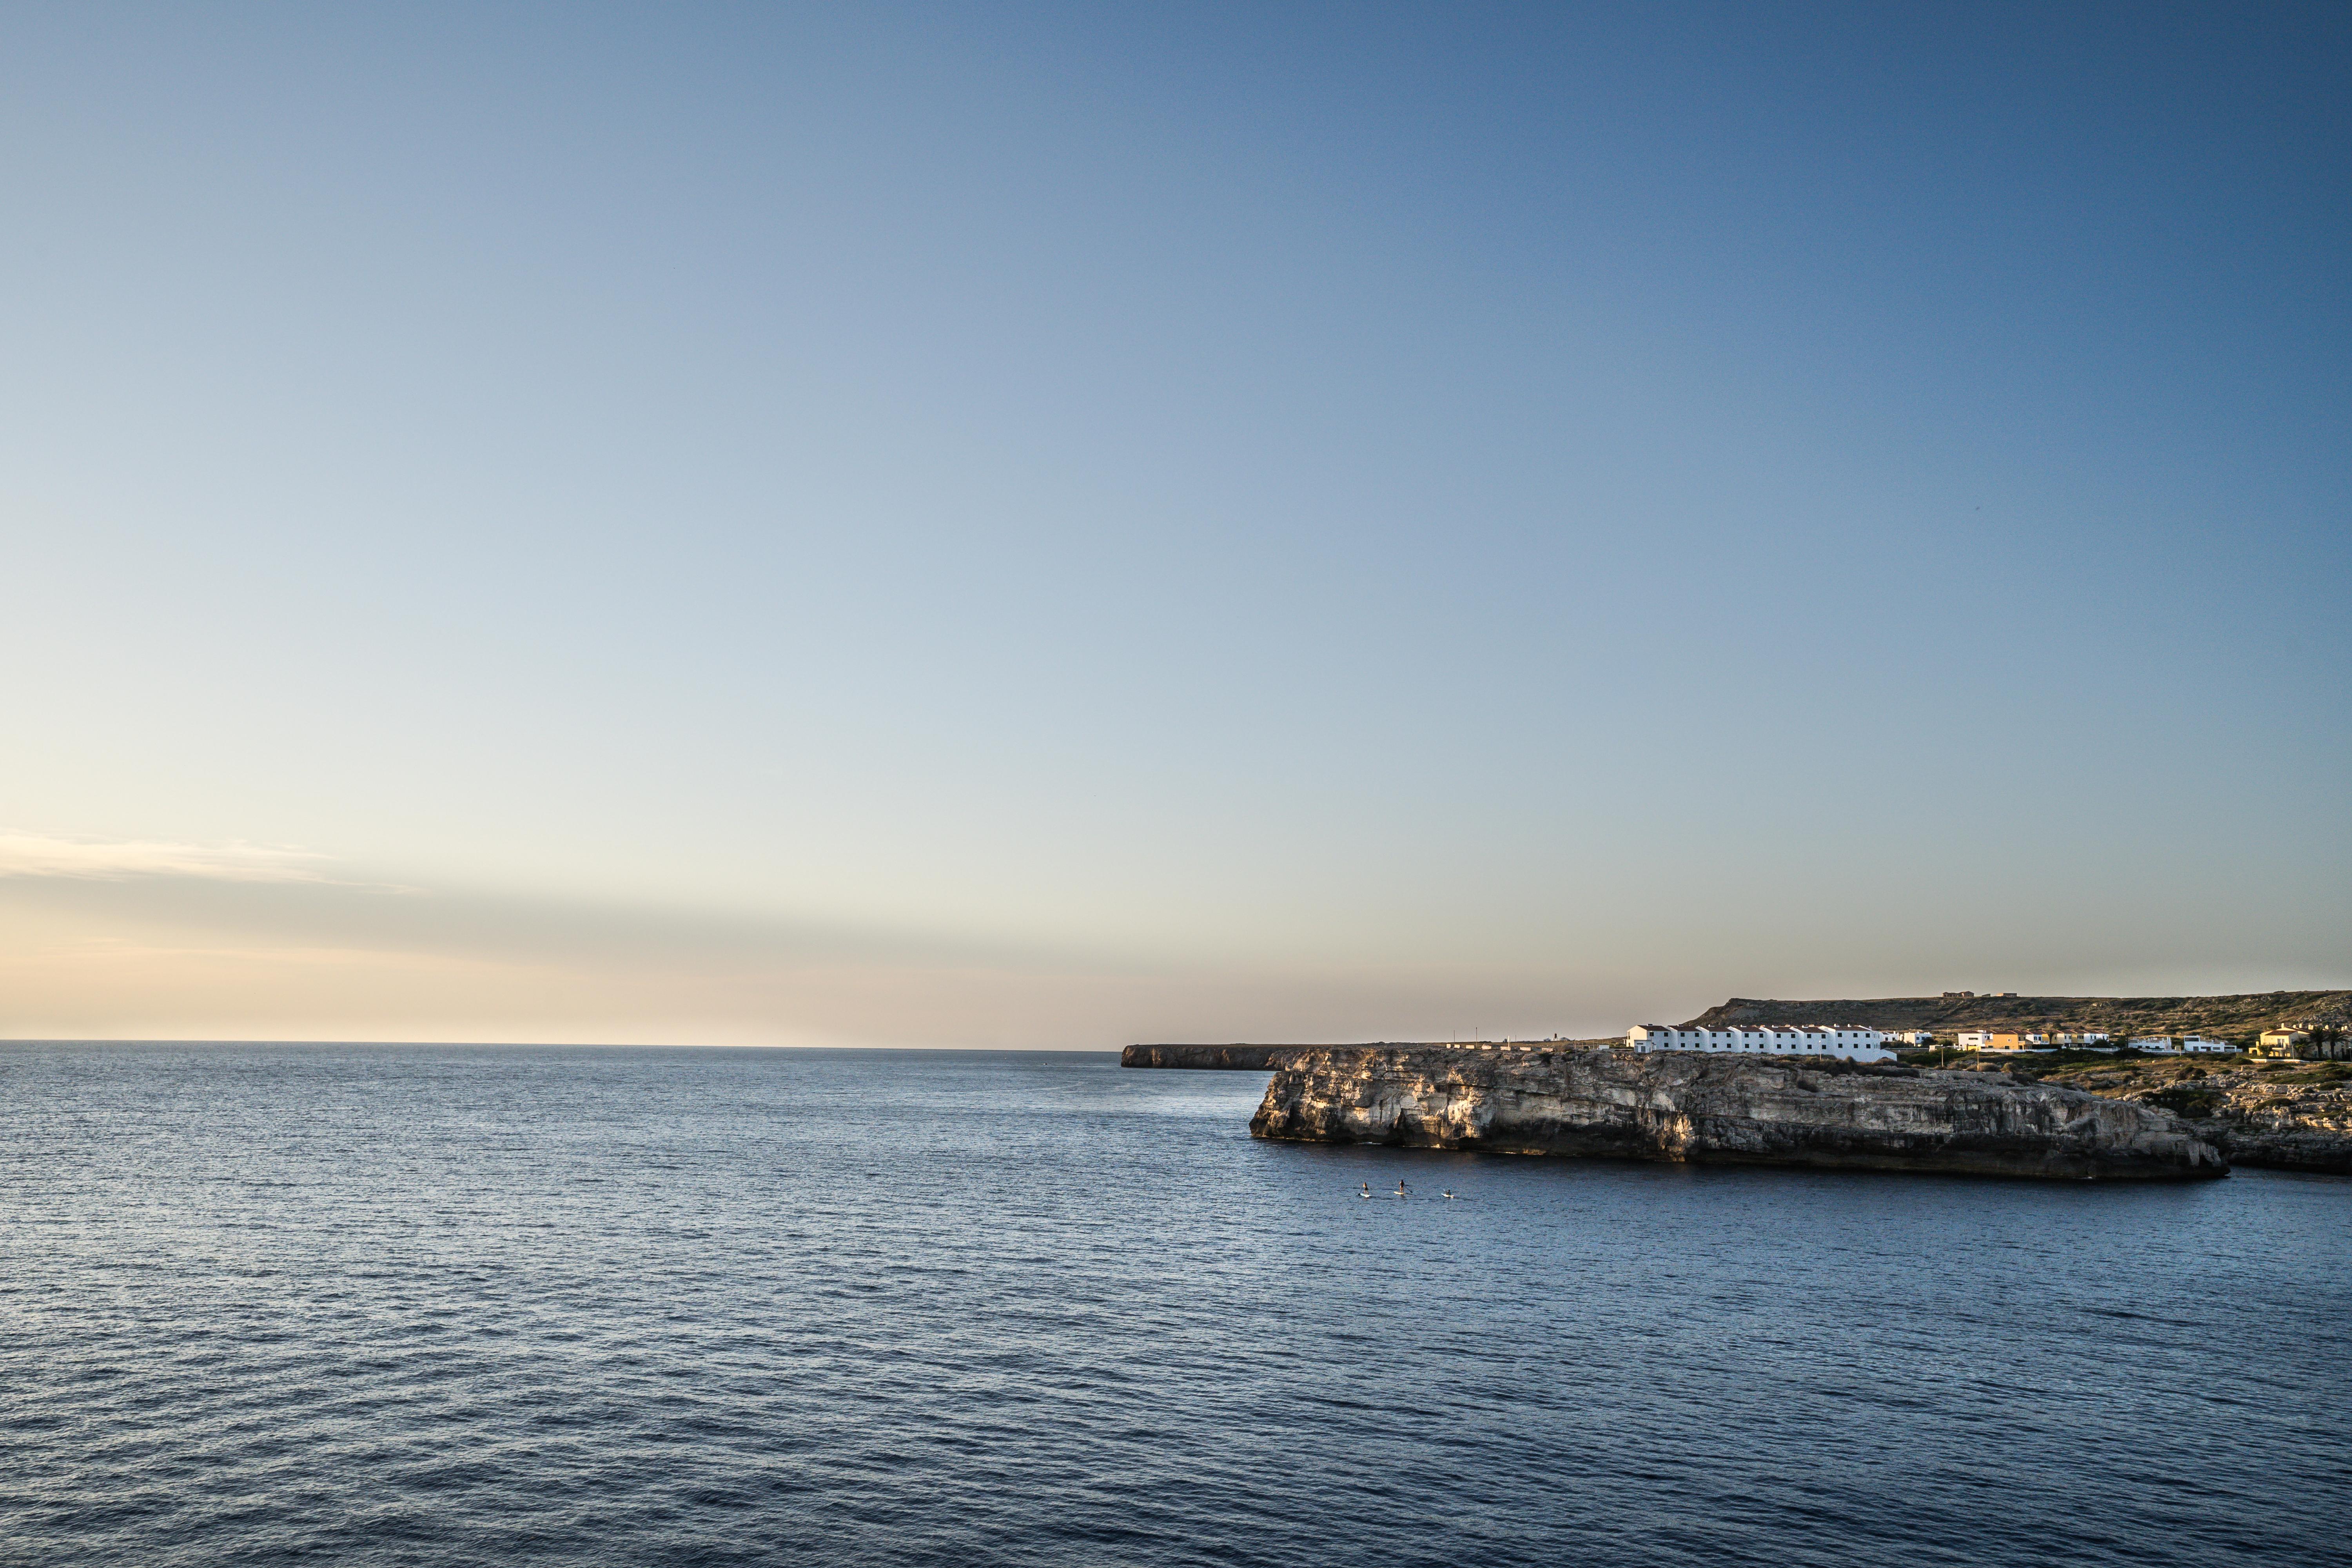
1701	1108
2289	1116
1241	1059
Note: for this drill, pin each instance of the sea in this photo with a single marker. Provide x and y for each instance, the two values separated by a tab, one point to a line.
437	1305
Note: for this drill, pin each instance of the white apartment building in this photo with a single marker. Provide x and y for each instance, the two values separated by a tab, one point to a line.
1788	1040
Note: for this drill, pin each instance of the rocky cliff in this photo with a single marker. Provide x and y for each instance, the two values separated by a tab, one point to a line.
2285	1138
1688	1106
2294	1116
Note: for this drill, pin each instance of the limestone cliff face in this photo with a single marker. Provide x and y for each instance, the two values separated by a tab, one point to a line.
1690	1106
2286	1126
2291	1140
2295	1116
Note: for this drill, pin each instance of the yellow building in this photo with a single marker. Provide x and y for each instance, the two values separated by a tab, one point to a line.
2282	1043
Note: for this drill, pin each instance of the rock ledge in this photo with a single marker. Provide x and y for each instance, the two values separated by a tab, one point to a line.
1701	1108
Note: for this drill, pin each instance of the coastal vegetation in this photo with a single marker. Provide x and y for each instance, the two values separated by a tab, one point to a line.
2238	1019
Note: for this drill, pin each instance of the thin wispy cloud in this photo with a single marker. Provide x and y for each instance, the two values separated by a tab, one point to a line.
40	855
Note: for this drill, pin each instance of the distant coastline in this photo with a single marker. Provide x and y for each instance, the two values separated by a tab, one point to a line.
2286	1114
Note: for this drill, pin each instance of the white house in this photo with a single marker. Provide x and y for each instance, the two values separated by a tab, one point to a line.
1913	1037
2200	1043
2153	1043
1845	1040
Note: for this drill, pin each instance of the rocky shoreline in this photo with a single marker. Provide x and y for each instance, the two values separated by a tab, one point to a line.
1699	1107
2287	1116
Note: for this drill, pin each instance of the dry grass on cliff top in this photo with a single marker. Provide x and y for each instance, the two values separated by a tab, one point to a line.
2191	1087
2221	1017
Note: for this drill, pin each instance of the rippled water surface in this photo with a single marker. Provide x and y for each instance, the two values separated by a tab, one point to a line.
427	1305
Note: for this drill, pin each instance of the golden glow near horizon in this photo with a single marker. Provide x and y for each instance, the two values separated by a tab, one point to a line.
151	940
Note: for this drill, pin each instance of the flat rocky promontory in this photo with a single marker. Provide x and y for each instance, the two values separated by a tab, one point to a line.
1228	1058
1720	1109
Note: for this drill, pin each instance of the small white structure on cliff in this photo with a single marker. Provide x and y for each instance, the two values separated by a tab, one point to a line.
1845	1040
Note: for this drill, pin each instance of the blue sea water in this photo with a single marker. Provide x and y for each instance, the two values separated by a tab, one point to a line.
442	1306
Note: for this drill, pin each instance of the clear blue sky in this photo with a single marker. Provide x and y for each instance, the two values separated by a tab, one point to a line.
1060	525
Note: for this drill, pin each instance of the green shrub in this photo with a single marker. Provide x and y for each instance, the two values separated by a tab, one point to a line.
2186	1100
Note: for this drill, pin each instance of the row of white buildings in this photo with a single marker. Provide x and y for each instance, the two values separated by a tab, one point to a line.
2006	1041
2010	1040
1860	1045
1855	1045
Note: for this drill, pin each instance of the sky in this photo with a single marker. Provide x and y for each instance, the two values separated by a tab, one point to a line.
1053	526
